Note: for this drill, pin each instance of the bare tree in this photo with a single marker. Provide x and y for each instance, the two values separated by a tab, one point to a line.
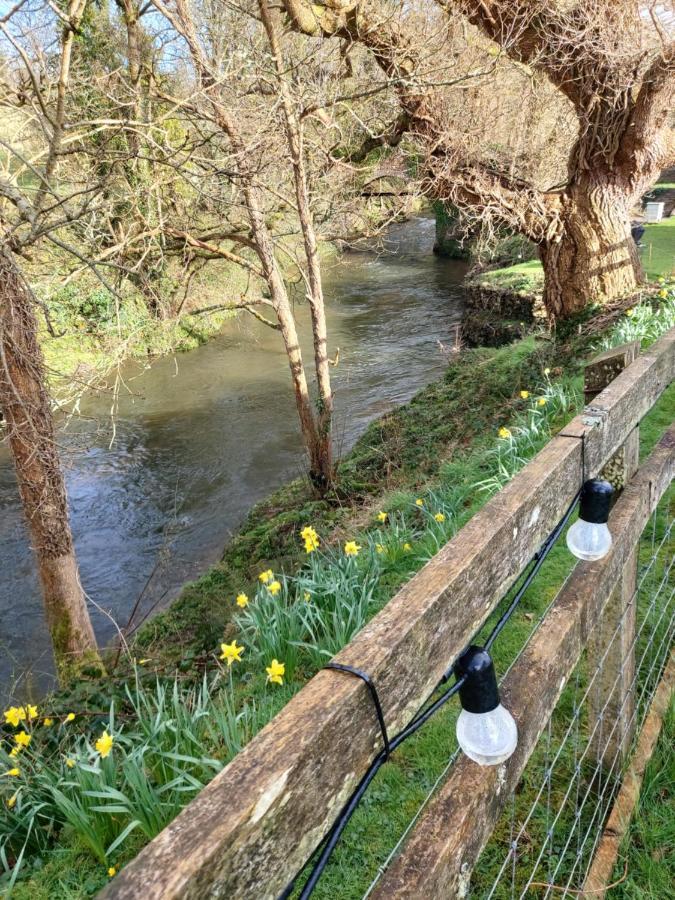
602	58
24	400
245	174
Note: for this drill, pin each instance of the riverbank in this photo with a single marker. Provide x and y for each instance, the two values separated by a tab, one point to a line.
415	477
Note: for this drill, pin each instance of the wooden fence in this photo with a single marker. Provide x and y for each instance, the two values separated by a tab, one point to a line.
254	826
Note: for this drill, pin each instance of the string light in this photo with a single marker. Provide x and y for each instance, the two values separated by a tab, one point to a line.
486	731
589	538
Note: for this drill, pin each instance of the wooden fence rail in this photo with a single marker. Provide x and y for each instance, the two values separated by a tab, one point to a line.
253	827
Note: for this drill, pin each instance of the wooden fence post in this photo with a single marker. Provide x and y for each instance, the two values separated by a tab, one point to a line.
611	701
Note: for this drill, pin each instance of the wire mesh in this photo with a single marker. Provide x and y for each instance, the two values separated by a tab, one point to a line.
547	837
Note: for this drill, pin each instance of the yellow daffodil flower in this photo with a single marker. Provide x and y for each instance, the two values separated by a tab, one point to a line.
352	548
11	803
542	401
440	517
266	576
274	587
379	548
70	763
524	395
112	871
307	596
419	502
242	600
70	717
663	293
13	773
14	752
32	711
231	652
275	672
382	517
311	539
504	433
104	744
407	547
22	739
48	722
14	715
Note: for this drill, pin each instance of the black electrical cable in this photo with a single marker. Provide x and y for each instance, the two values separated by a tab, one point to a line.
333	836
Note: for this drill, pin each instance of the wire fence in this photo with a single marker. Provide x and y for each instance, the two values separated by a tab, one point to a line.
546	838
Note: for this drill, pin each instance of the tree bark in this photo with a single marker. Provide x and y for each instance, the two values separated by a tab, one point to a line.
593	258
25	405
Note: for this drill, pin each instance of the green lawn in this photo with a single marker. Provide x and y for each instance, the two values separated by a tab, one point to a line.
658	249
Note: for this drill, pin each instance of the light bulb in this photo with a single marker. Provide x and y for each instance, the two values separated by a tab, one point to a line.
487	738
589	538
486	731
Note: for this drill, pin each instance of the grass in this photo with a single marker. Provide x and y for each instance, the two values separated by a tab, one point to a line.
647	855
442	449
658	249
523	278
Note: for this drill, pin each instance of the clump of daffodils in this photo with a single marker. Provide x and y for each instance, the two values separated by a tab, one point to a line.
311	539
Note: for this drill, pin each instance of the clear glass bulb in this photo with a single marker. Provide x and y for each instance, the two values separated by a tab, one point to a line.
487	738
589	540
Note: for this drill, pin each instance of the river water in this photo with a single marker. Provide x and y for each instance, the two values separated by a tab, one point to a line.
203	435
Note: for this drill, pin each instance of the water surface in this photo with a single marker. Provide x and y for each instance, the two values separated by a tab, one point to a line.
202	436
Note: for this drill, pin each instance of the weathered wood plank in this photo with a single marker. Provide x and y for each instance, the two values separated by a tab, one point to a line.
616	829
446	842
256	823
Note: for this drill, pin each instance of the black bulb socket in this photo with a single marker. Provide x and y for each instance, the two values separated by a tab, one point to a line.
595	501
479	693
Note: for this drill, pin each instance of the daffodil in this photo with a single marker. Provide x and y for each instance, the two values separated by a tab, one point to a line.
407	547
11	803
266	576
32	711
112	871
663	293
48	722
70	717
13	773
379	548
524	395
382	517
70	763
352	548
419	502
542	401
440	517
311	539
504	433
275	672
144	662
231	652
242	600
307	596
22	739
104	744
14	715
14	752
274	587
629	312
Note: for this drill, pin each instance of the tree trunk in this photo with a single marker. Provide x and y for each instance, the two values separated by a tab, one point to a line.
595	259
25	405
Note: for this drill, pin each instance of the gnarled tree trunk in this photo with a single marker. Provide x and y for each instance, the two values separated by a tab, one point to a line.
26	409
594	259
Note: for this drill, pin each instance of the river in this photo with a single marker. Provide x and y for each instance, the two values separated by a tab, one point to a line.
202	436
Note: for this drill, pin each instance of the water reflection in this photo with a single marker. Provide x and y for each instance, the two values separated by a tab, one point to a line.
202	436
